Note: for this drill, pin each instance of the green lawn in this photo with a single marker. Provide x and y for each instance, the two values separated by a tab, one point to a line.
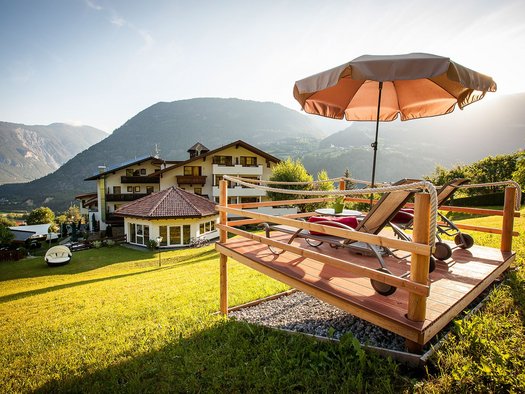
114	321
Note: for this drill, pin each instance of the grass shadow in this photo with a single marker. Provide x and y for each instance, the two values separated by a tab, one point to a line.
234	356
82	261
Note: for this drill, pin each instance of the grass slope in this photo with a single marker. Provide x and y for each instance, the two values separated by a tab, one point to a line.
114	321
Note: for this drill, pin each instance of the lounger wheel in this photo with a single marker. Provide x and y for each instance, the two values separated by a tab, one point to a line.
432	264
464	241
313	242
383	288
442	252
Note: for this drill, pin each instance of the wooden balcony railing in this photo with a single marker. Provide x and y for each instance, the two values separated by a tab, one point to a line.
139	179
124	196
191	180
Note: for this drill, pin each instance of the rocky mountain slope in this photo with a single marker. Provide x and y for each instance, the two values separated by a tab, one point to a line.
30	152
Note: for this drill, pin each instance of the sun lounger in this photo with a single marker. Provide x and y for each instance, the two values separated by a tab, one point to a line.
58	255
404	221
378	217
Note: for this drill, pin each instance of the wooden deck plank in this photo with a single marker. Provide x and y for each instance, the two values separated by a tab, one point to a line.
454	284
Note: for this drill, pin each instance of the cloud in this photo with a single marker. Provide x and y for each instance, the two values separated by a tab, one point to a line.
118	21
147	38
92	5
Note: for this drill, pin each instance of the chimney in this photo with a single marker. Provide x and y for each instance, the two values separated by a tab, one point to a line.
101	169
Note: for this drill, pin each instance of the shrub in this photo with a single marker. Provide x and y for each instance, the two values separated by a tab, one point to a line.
110	243
97	244
152	244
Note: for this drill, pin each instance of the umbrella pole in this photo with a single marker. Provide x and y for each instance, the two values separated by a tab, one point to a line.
374	144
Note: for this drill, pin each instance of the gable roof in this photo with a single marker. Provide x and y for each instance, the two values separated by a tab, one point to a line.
154	160
121	166
169	203
237	143
198	147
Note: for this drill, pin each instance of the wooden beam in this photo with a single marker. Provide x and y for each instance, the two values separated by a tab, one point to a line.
344	265
419	266
243	222
481	229
223	259
405	331
380	240
508	219
471	295
477	211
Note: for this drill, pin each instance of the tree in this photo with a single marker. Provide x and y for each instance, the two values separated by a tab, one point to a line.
5	221
327	186
519	174
348	183
73	214
289	171
42	215
6	236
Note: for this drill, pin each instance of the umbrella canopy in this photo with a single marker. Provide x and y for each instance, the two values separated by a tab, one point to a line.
416	85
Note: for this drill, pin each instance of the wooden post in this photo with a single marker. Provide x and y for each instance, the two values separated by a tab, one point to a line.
223	237
419	265
508	219
342	185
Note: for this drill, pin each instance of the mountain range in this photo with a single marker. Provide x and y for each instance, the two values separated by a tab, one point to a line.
406	149
30	152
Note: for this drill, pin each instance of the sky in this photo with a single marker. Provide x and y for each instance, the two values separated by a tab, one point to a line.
100	62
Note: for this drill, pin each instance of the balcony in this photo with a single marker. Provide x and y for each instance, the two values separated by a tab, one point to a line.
116	221
191	180
124	197
237	170
239	191
139	179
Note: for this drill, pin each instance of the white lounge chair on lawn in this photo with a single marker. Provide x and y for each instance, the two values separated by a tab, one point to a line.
58	255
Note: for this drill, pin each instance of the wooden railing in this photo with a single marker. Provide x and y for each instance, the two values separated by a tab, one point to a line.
418	282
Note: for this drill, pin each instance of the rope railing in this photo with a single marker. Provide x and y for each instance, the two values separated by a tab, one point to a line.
425	185
331	180
501	183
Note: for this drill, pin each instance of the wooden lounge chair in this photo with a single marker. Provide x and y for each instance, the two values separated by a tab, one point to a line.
404	221
58	255
378	217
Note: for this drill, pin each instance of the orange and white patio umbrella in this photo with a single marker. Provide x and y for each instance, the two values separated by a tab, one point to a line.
381	88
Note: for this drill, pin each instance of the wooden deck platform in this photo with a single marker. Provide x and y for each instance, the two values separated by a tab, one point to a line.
454	284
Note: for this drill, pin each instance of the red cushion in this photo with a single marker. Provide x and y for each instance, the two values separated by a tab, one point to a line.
405	215
350	221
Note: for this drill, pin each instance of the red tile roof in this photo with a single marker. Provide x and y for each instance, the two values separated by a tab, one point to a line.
169	203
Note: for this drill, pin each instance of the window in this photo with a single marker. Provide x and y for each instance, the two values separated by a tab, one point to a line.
198	190
130	189
248	161
186	234
223	160
163	232
146	235
142	171
249	199
218	178
206	227
136	189
140	233
192	170
232	200
129	171
132	235
175	235
116	189
149	189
